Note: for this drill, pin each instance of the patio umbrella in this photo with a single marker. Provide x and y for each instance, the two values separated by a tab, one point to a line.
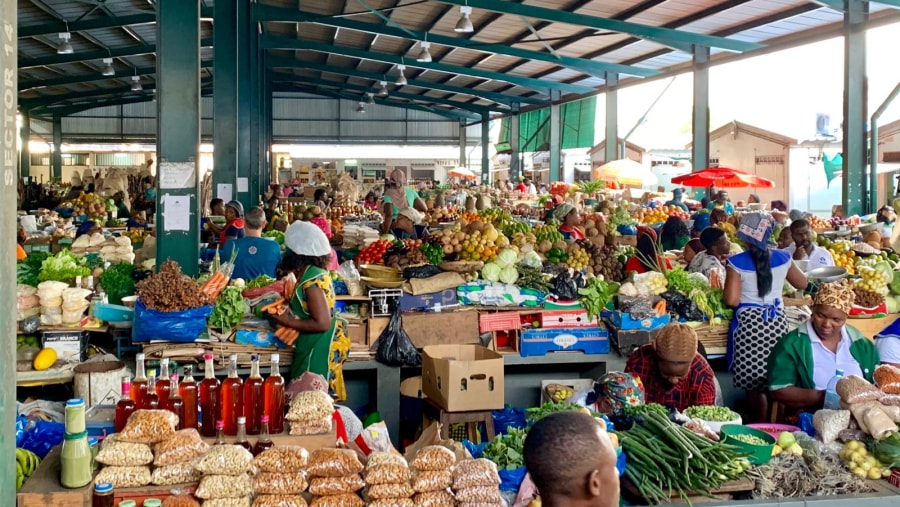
461	172
625	172
722	177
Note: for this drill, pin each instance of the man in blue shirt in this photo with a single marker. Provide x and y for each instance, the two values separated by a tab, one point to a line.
255	255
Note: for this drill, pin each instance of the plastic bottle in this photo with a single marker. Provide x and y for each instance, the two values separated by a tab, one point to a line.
230	400
139	385
832	398
125	406
188	392
175	404
209	399
253	397
220	433
265	442
103	495
150	399
273	398
164	382
242	434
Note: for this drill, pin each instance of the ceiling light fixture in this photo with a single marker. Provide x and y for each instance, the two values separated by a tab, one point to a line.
371	100
401	79
65	47
424	54
464	25
383	91
108	69
136	85
361	108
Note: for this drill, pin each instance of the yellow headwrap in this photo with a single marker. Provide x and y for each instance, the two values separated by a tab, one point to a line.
676	343
837	295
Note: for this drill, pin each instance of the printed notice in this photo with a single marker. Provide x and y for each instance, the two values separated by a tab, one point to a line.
177	212
177	175
243	185
224	191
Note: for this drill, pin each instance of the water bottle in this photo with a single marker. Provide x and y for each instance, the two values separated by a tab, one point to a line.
832	399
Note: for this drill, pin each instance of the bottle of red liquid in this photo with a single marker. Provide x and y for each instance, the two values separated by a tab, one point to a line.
175	404
164	382
151	399
125	406
242	434
209	398
253	397
265	442
139	385
188	392
232	389
273	398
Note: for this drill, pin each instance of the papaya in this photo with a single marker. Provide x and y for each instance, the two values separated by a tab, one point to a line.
44	359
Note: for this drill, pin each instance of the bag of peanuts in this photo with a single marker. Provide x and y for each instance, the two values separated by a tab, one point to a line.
180	501
330	486
387	473
435	499
279	501
185	445
285	459
481	494
179	473
392	502
125	454
472	473
434	457
333	463
434	480
310	406
384	458
124	477
224	486
887	378
314	427
273	483
385	491
855	389
149	427
227	502
346	500
226	460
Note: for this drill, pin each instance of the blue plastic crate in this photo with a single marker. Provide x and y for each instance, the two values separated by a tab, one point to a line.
538	342
626	322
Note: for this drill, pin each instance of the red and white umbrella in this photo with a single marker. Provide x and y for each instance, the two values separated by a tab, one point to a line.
722	177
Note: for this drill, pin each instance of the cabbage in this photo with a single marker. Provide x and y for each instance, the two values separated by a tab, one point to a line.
506	258
389	237
491	272
893	304
509	275
532	260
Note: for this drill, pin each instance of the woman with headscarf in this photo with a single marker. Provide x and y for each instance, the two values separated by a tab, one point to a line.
616	391
674	234
122	211
323	344
804	361
647	250
234	222
397	196
754	281
569	219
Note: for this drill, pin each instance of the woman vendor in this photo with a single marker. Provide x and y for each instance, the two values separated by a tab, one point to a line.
674	234
122	211
397	196
804	361
90	228
323	345
647	250
711	259
234	222
615	391
691	249
408	225
569	219
886	217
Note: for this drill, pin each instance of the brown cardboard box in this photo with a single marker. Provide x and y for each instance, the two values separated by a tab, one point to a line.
463	378
358	333
432	328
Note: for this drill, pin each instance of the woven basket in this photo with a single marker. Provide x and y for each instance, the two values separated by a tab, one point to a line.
712	336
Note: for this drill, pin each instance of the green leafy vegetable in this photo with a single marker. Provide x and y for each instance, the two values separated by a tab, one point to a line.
538	413
260	281
711	413
646	409
117	282
596	295
63	267
28	270
681	281
277	235
507	451
229	310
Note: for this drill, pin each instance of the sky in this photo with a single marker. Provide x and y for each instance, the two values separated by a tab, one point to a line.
781	92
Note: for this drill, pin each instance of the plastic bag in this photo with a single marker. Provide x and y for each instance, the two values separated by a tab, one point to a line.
394	348
183	326
333	463
435	499
434	457
564	286
227	502
310	406
224	486
472	473
226	460
185	445
178	473
387	473
509	417
279	501
385	458
284	459
510	480
149	427
274	483
383	491
125	454
638	307
426	482
124	477
329	486
481	494
426	271
180	501
38	436
392	502
348	500
682	306
301	428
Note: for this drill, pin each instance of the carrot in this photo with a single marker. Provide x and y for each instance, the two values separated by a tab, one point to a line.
272	305
214	281
660	308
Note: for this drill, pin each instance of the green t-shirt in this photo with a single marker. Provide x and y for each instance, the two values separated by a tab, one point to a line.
411	196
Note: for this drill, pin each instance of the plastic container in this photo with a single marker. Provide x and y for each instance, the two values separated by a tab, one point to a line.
113	313
773	429
832	398
758	454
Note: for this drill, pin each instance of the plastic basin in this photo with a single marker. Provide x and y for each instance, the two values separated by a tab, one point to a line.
758	454
774	429
113	313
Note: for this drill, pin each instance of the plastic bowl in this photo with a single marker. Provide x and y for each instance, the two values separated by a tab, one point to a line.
129	301
827	274
867	228
758	454
773	429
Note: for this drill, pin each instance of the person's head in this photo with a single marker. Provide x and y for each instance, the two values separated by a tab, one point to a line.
118	197
217	207
646	247
397	178
370	197
779	206
526	181
677	194
802	234
785	239
234	210
571	461
753	199
717	216
305	245
255	220
691	249
567	214
272	203
676	347
837	211
722	197
673	228
617	390
831	308
886	214
756	232
320	195
277	190
407	219
20	235
715	241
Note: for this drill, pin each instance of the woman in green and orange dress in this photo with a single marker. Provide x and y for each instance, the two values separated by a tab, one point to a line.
323	344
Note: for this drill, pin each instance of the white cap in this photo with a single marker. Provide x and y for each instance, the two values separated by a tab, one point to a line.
304	238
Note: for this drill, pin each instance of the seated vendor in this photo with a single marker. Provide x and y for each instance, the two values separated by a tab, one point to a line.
408	225
138	220
569	219
647	250
691	249
717	248
785	239
674	234
673	373
805	248
803	362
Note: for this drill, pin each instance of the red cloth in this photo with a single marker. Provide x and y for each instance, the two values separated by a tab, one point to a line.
697	388
237	223
634	264
573	233
522	188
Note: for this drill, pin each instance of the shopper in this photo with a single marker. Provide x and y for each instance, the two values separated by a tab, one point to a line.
572	462
371	201
754	281
324	225
122	211
716	250
530	188
211	231
255	255
397	196
721	202
671	370
677	196
674	234
234	223
805	249
804	361
569	220
322	200
323	345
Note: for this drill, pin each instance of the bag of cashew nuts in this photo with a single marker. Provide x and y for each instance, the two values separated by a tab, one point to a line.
226	460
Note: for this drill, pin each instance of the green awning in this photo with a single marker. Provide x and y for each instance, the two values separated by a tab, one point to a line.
577	130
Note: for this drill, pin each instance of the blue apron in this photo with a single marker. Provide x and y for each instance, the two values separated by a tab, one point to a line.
770	312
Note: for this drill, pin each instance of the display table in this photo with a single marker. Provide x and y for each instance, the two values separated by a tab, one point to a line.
43	378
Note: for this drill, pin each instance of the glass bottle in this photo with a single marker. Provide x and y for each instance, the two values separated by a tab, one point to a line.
188	391
253	396
103	495
175	404
273	398
232	388
75	457
209	399
139	385
125	405
242	434
265	442
220	433
164	382
151	399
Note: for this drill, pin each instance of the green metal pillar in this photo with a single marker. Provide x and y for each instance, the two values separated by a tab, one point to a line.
267	130
56	162
700	114
856	93
178	136
555	138
256	111
515	169
25	154
612	118
245	70
8	105
463	148
224	100
485	149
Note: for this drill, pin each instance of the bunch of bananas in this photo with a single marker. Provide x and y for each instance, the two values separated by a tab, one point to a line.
26	463
135	235
547	233
521	239
497	216
516	227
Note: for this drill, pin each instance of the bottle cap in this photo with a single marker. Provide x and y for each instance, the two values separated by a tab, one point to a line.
220	425
264	419
139	356
276	357
164	360
103	487
93	441
254	357
207	357
75	403
242	420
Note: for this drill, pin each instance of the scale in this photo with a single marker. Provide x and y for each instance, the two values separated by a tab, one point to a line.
384	301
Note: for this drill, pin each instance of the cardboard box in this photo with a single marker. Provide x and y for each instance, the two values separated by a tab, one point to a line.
538	342
358	333
559	319
431	301
463	378
627	341
575	384
432	328
67	344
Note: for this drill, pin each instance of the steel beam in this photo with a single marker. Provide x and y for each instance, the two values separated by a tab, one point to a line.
287	15
249	49
68	110
855	199
555	147
56	157
271	42
318	90
677	39
225	116
92	77
485	150
612	119
515	169
25	136
499	98
700	113
95	55
178	133
45	100
55	27
462	144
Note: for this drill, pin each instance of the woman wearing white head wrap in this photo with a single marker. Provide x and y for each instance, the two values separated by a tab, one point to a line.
397	197
323	344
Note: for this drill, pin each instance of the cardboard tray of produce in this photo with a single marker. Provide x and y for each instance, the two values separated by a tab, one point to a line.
725	492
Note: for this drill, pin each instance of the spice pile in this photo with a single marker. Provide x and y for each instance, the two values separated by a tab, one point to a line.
170	290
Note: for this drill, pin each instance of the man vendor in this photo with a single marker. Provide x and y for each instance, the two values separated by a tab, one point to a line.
805	249
673	373
803	362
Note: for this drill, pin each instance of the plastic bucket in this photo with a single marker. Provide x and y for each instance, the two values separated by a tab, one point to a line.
99	383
